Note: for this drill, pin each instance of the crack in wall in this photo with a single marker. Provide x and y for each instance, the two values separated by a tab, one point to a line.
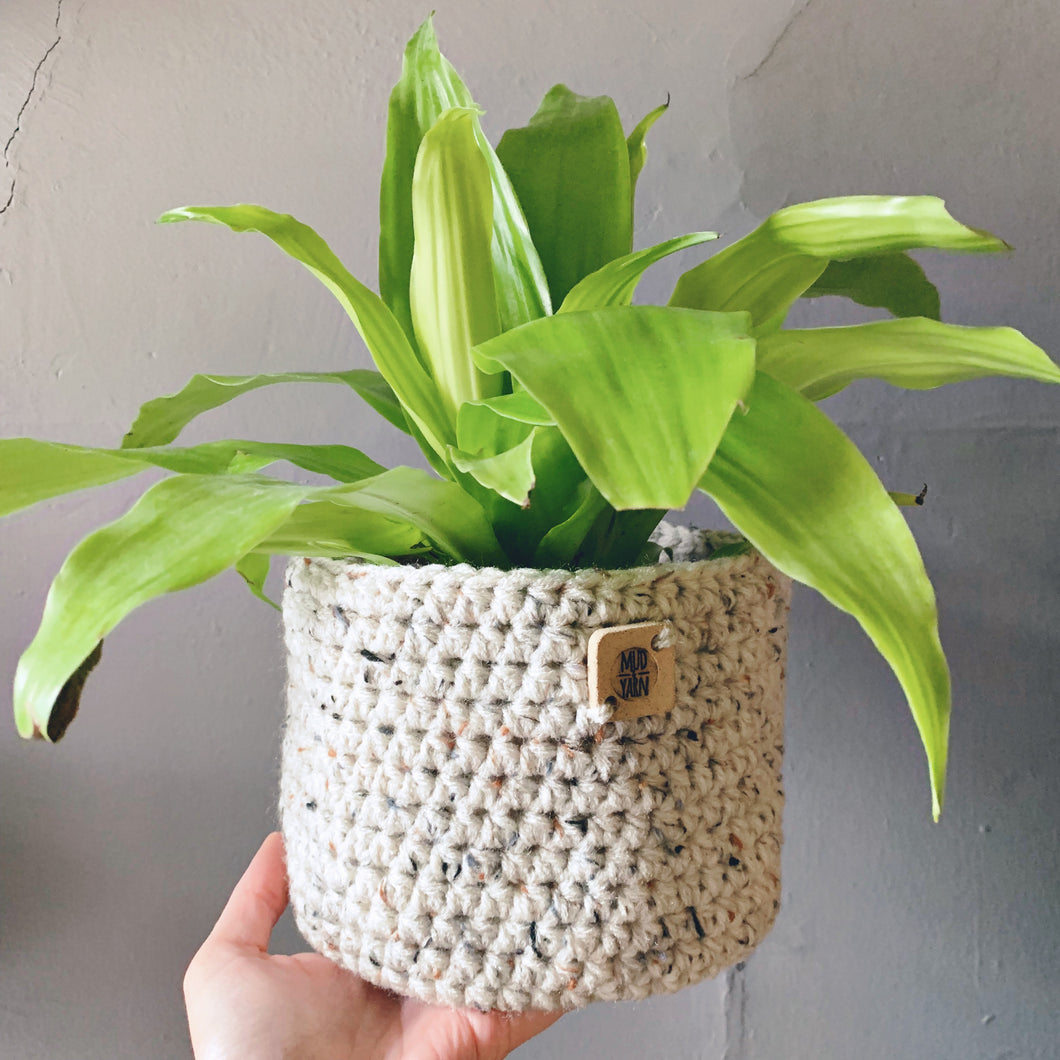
25	104
734	1006
771	50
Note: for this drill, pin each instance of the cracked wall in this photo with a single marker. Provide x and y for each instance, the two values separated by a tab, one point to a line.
896	938
36	79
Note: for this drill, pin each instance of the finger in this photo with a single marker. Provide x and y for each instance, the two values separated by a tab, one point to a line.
258	900
487	1035
520	1027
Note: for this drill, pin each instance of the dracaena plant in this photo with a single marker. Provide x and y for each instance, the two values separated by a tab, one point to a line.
559	420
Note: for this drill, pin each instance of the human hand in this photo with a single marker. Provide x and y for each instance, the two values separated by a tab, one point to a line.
245	1004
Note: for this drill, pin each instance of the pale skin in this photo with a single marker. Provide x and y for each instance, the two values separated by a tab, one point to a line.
246	1004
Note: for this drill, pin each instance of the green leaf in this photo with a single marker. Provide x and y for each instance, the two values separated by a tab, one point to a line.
516	406
452	519
497	443
913	352
481	430
754	275
856	225
733	548
451	284
382	334
561	544
637	149
339	531
182	531
32	471
765	271
253	568
800	491
641	393
570	169
429	86
161	420
509	473
617	539
340	462
894	282
614	283
558	481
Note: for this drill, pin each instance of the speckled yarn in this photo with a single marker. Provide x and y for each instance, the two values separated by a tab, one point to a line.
462	828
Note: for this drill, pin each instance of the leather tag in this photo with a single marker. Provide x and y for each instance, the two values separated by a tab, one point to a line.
628	674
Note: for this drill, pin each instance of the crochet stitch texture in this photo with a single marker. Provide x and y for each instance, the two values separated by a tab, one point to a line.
463	828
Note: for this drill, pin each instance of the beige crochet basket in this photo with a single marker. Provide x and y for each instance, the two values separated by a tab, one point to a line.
466	825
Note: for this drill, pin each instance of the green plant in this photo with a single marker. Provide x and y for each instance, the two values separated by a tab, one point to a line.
560	420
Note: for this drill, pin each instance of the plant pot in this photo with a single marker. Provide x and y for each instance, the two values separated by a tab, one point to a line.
466	824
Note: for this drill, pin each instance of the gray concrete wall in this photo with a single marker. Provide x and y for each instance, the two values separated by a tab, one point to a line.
897	938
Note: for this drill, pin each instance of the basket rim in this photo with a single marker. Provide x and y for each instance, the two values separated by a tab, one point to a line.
751	557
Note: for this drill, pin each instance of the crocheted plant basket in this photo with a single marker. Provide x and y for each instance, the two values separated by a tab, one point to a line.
466	824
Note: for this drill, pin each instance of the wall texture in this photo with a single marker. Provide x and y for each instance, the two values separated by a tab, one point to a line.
897	938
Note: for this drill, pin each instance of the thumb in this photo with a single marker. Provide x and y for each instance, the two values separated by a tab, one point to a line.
258	900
